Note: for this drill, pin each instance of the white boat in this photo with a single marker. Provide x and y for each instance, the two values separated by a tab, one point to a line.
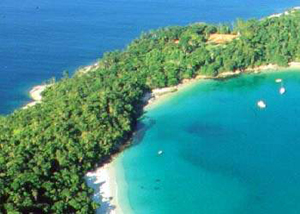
278	80
261	104
160	152
282	90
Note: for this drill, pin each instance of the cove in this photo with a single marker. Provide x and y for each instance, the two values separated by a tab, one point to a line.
222	154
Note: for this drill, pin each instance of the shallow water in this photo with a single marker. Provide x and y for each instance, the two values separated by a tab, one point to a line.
222	154
40	39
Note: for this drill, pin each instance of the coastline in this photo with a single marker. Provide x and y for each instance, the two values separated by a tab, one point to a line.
36	92
157	96
268	71
152	99
36	95
284	13
87	68
103	181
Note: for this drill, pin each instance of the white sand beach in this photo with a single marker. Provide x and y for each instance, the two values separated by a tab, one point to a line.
157	96
88	68
284	13
103	181
36	94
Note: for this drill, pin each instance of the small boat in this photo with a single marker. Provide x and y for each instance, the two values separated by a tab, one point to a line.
278	80
160	152
282	90
261	104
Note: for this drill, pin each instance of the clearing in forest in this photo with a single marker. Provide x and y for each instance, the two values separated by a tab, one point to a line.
221	38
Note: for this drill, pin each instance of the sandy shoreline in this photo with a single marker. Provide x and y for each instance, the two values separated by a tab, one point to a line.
284	13
36	92
36	95
103	181
156	96
88	68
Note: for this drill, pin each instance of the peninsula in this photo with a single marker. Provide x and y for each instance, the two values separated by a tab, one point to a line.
80	122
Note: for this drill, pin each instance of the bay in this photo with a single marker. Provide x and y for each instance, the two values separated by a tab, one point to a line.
221	153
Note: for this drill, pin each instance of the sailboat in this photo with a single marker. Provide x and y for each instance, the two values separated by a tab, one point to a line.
282	90
261	104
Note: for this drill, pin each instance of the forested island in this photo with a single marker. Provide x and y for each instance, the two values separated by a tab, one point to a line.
46	149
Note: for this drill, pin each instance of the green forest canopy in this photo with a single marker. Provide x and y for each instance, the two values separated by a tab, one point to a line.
46	150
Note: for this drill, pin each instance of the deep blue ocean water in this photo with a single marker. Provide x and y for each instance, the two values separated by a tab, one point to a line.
221	153
40	39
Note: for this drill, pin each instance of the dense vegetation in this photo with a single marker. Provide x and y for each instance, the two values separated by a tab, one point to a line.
46	150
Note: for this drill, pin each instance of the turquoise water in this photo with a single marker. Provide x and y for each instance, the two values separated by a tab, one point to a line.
41	38
221	153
